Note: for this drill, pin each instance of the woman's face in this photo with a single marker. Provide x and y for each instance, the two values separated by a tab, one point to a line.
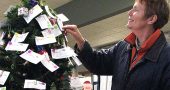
137	20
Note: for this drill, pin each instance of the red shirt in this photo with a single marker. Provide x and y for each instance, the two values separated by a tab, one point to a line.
144	47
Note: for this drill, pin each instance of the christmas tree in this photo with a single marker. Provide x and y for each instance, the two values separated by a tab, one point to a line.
33	49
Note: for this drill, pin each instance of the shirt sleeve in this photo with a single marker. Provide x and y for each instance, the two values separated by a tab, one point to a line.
100	62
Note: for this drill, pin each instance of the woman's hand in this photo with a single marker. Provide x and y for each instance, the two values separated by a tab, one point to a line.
73	30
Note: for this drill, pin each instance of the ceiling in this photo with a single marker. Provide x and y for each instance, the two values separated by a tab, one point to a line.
109	30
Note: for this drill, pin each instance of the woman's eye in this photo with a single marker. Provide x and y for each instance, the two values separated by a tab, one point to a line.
135	9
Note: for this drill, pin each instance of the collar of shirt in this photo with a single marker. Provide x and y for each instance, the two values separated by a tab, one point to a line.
131	39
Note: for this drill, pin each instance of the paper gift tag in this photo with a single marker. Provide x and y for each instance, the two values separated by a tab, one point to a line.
2	88
1	38
49	64
23	11
33	13
62	17
45	40
49	13
13	46
34	84
77	61
2	42
60	24
62	53
32	57
3	76
19	37
75	82
55	31
44	22
2	35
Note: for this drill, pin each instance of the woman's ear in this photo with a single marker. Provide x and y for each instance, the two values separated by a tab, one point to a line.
152	19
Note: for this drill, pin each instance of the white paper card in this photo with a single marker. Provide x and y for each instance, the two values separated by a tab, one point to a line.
22	11
2	42
60	24
77	61
32	57
49	13
1	38
34	84
2	35
49	64
13	46
55	31
19	37
62	17
45	40
2	88
33	13
44	22
75	83
62	53
3	76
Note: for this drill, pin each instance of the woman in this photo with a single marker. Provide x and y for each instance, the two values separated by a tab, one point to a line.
142	60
